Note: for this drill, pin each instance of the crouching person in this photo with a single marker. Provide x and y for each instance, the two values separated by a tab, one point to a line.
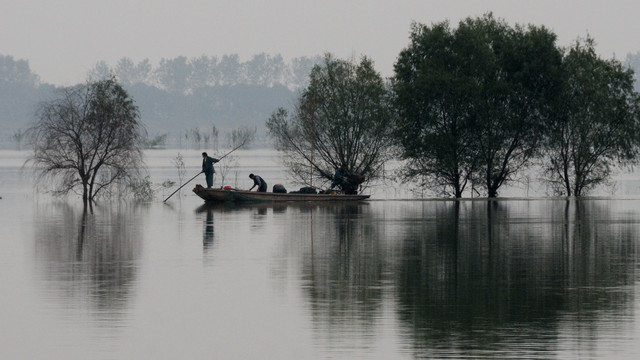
259	182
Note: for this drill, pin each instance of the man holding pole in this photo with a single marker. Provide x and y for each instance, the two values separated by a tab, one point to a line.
207	168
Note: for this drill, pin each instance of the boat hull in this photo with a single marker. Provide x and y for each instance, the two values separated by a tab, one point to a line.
232	195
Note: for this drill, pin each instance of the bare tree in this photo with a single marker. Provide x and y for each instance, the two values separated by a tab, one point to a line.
178	162
88	139
242	135
215	133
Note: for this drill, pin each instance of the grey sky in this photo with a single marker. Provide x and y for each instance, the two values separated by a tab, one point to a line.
63	39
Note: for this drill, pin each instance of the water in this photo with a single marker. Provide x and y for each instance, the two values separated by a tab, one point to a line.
384	279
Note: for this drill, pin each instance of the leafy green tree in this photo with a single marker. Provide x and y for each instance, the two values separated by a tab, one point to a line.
342	118
473	101
435	88
597	126
88	140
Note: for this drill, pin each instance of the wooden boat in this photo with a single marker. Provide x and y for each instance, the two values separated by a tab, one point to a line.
234	195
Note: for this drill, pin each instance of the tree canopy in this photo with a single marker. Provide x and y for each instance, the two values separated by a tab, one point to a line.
596	123
88	139
343	117
434	98
473	101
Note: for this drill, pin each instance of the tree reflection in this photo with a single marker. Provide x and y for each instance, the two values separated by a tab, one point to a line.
342	268
472	275
88	254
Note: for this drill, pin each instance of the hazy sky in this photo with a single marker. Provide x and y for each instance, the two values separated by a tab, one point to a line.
64	39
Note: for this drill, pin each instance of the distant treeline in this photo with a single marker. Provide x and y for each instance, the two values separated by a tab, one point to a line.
633	62
180	94
174	96
187	75
20	92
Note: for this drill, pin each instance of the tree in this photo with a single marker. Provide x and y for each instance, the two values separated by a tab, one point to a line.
129	73
20	90
202	72
100	71
299	70
173	74
88	139
633	62
229	70
342	118
434	90
597	124
16	73
265	70
125	71
475	97
243	135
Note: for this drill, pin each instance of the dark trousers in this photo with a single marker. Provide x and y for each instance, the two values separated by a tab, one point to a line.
263	186
209	177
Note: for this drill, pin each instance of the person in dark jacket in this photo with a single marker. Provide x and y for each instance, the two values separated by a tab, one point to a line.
259	182
341	177
207	168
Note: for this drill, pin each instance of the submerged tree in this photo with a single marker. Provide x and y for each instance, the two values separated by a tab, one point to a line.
241	136
434	89
88	139
475	97
343	117
597	122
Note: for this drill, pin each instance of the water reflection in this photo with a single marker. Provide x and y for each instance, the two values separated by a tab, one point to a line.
88	256
258	216
341	272
475	278
207	239
508	279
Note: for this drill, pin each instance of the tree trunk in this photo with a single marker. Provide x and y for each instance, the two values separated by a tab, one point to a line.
458	190
567	183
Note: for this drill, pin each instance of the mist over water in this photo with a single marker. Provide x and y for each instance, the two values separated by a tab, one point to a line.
382	279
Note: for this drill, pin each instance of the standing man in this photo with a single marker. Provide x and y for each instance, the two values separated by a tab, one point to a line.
258	181
207	168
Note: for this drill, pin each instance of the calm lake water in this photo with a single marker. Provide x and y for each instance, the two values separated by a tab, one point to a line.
384	279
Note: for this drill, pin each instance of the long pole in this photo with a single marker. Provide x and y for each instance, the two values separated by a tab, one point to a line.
165	200
223	156
236	148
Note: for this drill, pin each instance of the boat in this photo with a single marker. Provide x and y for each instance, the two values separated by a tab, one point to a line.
234	195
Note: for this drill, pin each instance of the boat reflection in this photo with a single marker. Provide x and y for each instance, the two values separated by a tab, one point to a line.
281	207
